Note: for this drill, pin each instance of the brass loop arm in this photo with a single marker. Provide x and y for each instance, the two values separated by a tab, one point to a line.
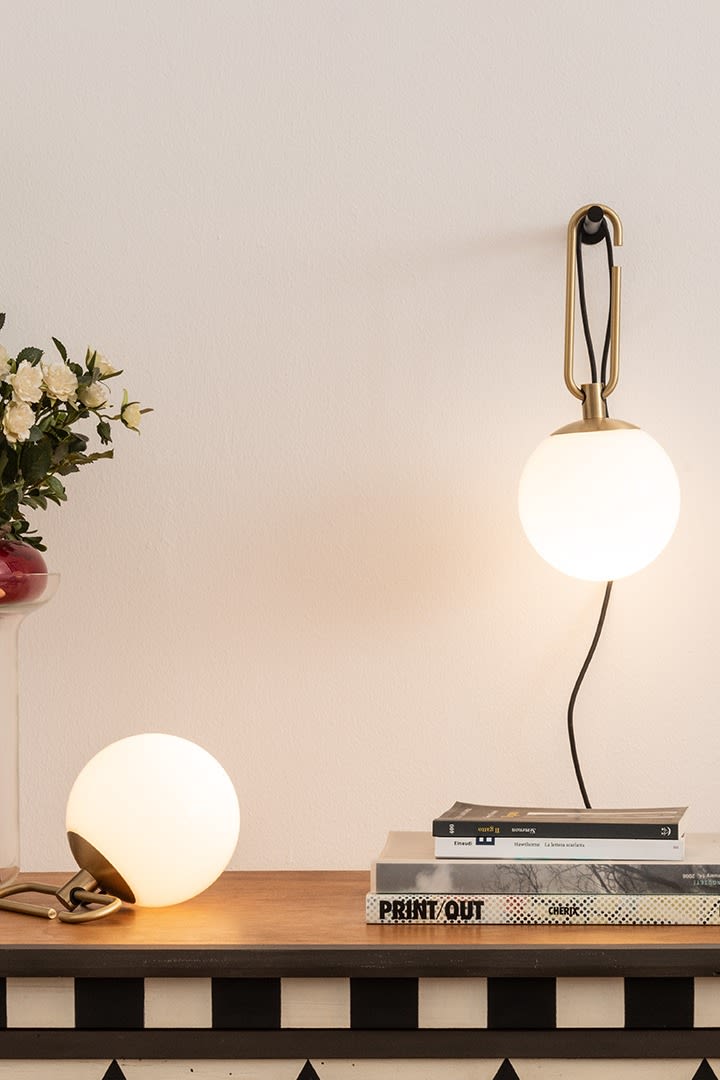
79	897
570	276
20	906
107	904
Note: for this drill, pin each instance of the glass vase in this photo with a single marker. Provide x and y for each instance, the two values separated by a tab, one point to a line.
12	615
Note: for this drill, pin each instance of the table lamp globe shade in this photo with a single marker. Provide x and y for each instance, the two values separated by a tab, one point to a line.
154	818
599	504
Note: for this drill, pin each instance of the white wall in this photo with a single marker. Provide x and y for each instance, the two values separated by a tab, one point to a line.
326	240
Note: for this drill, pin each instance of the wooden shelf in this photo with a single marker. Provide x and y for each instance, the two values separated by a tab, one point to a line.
311	923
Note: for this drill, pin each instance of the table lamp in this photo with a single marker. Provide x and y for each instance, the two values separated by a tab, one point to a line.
599	498
152	820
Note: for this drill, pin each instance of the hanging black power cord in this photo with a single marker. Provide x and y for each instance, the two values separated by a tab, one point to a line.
576	688
595	219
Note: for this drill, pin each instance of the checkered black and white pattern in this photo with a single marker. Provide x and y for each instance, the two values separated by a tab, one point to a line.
451	1028
377	1004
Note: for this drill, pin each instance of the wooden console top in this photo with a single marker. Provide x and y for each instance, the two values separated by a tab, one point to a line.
313	923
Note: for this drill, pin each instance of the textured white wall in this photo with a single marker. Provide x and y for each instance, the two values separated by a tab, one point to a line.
326	239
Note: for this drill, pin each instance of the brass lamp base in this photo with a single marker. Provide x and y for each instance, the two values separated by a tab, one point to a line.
79	893
75	895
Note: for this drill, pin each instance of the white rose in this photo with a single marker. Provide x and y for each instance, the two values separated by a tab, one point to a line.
102	366
17	421
4	362
60	382
131	416
94	396
26	382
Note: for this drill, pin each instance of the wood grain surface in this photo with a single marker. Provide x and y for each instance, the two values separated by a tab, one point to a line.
313	922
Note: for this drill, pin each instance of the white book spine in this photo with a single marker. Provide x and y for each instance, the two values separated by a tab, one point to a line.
542	909
599	850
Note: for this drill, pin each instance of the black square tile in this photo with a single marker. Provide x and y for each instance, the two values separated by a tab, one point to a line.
109	1004
246	1004
521	1004
659	1003
384	1004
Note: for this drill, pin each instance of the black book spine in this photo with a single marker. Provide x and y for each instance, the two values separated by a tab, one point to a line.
553	830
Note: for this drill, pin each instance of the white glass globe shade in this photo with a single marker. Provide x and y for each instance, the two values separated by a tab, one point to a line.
599	505
162	811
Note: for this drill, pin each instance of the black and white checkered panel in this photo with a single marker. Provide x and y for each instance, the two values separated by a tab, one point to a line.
376	1004
360	1070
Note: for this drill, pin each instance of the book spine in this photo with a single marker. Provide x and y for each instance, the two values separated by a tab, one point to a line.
505	847
542	909
549	830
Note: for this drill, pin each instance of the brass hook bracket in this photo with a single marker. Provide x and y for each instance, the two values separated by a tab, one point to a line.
570	275
76	896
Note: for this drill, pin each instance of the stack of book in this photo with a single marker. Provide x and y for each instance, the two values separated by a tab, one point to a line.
497	865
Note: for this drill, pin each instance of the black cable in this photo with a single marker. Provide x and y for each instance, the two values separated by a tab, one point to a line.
576	688
606	346
601	233
583	305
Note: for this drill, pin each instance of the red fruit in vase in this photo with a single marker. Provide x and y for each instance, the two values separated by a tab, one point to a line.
23	572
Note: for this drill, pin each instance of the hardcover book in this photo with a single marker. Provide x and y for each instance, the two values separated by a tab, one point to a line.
408	865
566	909
467	819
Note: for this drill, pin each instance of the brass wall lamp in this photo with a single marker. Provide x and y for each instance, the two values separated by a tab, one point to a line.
599	499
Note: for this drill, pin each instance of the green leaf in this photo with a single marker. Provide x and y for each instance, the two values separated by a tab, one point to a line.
10	502
77	370
56	487
99	455
2	321
34	541
60	348
36	433
77	443
8	464
31	354
35	460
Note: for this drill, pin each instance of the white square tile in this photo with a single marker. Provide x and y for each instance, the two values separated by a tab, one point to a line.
452	1003
707	1002
40	1003
315	1003
590	1003
206	1070
607	1069
416	1069
178	1003
53	1070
